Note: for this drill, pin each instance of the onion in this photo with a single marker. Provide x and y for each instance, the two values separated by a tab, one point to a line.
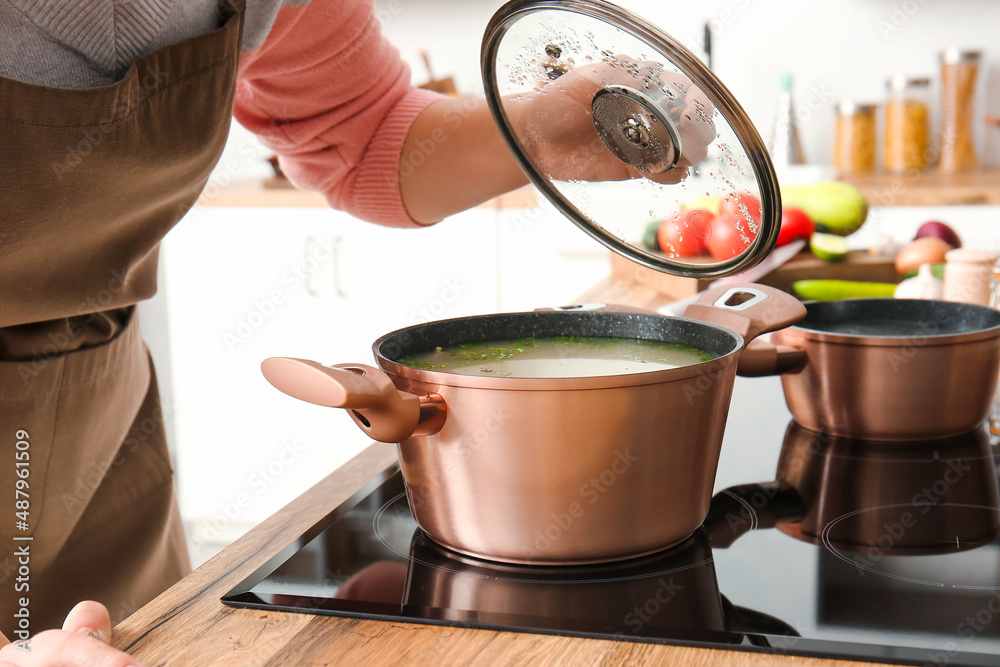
939	230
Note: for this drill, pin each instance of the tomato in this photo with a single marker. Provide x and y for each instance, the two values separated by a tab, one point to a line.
683	234
730	235
736	202
795	224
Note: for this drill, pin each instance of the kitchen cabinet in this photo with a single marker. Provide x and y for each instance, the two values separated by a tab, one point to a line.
544	260
541	258
241	284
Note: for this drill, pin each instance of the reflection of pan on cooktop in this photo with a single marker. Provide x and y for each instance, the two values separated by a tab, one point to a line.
931	497
672	594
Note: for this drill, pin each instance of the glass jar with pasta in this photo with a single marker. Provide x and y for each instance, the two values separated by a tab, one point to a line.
959	70
907	124
854	137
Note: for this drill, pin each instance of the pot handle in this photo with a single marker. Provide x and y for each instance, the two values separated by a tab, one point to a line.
382	411
747	308
761	357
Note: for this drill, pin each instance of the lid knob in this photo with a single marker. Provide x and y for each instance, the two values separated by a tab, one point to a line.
637	127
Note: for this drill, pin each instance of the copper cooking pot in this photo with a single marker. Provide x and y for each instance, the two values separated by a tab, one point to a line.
891	369
871	497
553	471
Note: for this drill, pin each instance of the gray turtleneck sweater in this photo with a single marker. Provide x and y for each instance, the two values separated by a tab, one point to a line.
86	43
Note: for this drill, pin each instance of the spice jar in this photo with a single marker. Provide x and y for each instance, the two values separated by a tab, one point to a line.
854	137
968	275
959	70
907	123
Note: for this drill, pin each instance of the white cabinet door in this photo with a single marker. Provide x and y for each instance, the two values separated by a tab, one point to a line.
241	285
398	277
545	260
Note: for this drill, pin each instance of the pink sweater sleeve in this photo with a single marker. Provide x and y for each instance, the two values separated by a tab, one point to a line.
329	94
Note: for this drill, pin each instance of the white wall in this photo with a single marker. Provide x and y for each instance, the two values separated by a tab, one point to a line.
834	49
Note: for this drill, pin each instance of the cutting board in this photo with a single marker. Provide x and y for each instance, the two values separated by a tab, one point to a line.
857	265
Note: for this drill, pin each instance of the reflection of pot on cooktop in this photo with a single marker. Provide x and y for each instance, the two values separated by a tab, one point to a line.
671	594
931	497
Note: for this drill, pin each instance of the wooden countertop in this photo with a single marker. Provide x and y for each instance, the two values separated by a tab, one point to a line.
187	625
930	187
924	188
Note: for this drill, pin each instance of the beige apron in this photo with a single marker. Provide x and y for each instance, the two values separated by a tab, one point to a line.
90	181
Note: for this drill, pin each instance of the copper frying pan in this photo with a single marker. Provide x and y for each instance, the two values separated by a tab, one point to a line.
889	369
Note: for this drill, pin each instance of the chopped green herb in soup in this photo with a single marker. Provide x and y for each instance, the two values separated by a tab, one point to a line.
560	356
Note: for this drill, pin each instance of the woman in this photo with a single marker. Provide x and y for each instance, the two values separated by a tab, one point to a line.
112	115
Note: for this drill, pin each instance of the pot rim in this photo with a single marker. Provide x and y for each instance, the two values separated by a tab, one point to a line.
917	339
445	379
792	334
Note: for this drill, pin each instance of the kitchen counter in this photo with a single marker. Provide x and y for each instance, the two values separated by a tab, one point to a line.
930	188
924	188
187	625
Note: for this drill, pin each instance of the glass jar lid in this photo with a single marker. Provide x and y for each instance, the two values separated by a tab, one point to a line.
852	108
956	56
900	83
621	127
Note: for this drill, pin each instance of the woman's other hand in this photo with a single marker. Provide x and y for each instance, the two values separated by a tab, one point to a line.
82	642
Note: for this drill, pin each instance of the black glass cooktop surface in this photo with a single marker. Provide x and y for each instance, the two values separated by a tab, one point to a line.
842	548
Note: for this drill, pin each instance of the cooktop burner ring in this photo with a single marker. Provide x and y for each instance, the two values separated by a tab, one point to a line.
885	549
380	535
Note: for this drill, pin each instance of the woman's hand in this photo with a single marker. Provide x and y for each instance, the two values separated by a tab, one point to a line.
556	126
82	642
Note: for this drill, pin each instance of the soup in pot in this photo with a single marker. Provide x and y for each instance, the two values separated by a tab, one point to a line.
557	357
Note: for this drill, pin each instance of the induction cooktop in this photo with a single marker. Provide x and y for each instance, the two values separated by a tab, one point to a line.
876	551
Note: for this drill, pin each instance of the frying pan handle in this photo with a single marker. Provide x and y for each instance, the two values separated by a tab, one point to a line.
761	357
740	509
747	308
382	411
752	622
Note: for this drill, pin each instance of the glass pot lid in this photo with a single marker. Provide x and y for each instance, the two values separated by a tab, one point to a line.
621	127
